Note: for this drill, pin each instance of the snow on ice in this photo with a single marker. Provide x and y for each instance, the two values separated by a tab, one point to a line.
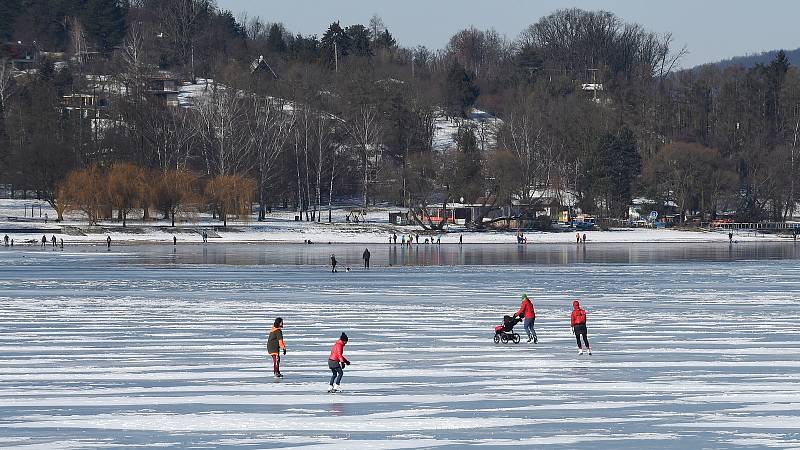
143	348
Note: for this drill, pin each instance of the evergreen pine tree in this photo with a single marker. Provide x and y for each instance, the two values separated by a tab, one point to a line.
460	92
275	41
104	23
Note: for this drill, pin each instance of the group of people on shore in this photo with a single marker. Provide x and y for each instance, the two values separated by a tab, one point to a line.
577	322
337	361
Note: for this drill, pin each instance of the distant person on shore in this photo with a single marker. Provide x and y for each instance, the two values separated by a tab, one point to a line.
108	242
275	344
366	258
527	312
578	322
333	263
336	362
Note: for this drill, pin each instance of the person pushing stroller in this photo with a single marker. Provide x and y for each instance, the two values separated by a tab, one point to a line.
527	313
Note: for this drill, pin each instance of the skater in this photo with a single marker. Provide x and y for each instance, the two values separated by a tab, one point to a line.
394	238
44	241
438	240
403	240
366	258
108	242
333	263
174	241
730	237
584	238
62	243
205	237
578	322
527	312
275	344
577	238
417	238
53	240
5	240
460	239
336	362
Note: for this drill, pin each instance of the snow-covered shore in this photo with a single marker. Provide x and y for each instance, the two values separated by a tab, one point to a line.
280	227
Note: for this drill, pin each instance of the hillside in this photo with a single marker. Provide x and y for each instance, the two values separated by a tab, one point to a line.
751	60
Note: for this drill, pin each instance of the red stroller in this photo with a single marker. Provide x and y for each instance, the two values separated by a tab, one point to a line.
505	332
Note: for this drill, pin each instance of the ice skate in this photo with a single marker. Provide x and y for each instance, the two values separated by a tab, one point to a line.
580	351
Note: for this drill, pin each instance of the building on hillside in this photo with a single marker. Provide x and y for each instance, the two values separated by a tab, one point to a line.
22	56
260	66
85	105
163	86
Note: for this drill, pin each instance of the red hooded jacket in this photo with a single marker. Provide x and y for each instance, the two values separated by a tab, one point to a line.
526	309
337	352
578	316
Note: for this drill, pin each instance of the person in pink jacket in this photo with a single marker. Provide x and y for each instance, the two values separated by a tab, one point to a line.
336	362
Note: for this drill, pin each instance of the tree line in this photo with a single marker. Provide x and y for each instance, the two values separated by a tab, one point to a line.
590	110
126	188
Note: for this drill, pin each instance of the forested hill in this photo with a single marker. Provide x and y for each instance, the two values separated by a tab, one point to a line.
748	61
583	111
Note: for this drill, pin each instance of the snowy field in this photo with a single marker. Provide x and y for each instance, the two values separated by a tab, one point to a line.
694	347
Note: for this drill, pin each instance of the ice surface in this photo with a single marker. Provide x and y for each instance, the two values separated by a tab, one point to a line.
145	348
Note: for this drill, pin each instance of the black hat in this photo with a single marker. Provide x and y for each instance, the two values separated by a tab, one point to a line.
343	337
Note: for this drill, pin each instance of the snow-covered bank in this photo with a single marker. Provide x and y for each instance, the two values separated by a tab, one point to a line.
280	227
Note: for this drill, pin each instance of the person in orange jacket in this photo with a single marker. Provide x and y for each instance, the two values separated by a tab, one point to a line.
275	344
336	362
578	322
527	312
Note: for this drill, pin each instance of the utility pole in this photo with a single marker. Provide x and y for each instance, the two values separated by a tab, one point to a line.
335	57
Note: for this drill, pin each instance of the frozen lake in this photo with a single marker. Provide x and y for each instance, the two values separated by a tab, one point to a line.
148	346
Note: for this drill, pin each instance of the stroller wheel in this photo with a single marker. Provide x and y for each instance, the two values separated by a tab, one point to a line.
515	338
504	338
496	338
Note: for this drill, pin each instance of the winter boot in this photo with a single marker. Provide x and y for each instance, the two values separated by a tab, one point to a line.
530	339
535	340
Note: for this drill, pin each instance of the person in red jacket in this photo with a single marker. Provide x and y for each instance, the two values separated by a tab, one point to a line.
275	344
336	362
578	323
527	312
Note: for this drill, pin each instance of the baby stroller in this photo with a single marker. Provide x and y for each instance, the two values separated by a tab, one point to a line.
505	332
